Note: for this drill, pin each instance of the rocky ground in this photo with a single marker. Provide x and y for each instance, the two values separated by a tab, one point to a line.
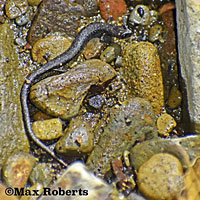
115	114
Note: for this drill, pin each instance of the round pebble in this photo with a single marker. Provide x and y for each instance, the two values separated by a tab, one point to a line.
175	97
96	101
165	124
140	15
20	41
16	8
17	169
161	177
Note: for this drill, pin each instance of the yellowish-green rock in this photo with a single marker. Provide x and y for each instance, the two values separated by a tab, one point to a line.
165	124
12	134
142	73
48	129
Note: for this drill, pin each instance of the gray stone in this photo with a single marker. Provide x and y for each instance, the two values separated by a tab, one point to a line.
188	21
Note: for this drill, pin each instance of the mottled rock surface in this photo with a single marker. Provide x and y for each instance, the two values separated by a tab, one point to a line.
161	177
62	95
55	16
188	22
48	129
17	169
12	135
77	139
16	8
143	74
132	121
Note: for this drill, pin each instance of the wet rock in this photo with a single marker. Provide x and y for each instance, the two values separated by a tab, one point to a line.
55	16
96	102
90	7
186	149
161	177
76	181
17	169
62	95
110	53
16	8
41	174
132	121
12	135
34	2
142	73
93	48
140	15
175	97
37	187
155	33
3	195
48	129
78	138
49	47
112	9
165	124
24	19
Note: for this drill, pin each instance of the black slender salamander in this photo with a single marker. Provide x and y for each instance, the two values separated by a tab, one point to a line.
96	29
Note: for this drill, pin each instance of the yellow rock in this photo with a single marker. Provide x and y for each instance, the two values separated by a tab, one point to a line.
165	124
161	177
48	129
142	73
